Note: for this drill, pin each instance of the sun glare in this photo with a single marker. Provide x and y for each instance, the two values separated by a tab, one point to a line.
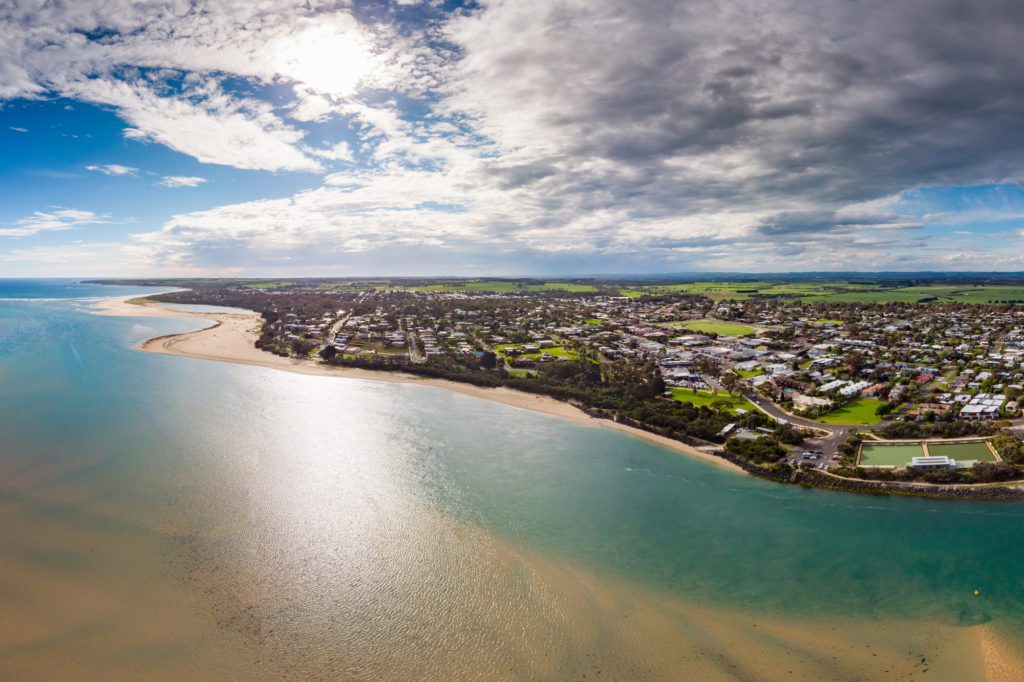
326	58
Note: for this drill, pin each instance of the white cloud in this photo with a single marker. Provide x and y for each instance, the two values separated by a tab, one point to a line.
92	259
338	152
220	130
181	181
113	169
54	220
18	129
329	55
643	132
269	42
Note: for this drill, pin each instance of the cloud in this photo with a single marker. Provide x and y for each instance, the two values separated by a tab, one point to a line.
590	134
219	130
161	65
181	181
337	152
18	129
54	220
113	169
92	259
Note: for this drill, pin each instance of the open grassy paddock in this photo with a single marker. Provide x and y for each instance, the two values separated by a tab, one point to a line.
716	327
498	286
556	351
730	401
839	292
859	412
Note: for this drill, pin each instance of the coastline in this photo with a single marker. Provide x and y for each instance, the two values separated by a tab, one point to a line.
231	338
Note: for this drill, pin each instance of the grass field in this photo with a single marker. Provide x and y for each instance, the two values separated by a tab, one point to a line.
962	451
837	292
556	351
730	401
859	412
717	327
739	291
268	285
498	286
925	294
877	455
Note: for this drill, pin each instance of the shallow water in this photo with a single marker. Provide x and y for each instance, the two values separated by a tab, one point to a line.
170	517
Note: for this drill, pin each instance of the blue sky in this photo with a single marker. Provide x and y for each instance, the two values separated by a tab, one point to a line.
509	137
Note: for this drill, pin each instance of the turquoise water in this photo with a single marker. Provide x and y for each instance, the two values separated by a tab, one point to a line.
313	487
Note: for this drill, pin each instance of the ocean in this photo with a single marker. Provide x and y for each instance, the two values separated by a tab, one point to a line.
173	518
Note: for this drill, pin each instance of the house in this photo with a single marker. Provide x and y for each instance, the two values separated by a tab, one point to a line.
805	402
932	462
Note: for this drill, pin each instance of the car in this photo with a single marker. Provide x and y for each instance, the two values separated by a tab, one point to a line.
835	458
806	455
821	466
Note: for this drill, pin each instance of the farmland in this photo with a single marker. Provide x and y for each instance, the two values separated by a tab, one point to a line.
506	286
838	292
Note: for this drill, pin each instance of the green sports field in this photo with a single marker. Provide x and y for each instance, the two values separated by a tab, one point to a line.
879	455
962	451
859	412
730	402
717	327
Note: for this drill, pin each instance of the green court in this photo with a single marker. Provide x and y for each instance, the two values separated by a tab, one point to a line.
963	451
885	455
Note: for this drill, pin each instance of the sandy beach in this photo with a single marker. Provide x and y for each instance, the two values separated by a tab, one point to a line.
231	337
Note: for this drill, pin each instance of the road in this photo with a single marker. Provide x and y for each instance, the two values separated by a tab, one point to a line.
332	332
828	444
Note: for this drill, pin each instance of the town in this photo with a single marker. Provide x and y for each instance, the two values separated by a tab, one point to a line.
785	383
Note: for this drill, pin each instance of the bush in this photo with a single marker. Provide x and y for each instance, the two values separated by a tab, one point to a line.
941	476
760	451
1009	447
989	472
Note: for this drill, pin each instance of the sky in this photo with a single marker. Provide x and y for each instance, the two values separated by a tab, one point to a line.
509	137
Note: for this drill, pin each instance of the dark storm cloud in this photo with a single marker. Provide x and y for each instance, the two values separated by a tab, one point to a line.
677	107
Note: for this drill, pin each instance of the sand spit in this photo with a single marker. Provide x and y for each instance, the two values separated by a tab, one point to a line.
231	337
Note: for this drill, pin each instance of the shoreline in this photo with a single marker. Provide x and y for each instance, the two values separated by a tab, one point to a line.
231	338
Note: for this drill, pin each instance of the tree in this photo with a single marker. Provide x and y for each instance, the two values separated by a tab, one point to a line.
1009	447
488	360
856	361
730	382
657	383
762	450
987	472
